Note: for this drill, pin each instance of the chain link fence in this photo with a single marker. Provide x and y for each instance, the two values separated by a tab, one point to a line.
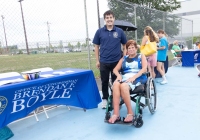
56	33
177	28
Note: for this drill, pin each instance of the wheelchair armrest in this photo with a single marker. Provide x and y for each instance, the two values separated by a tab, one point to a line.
145	73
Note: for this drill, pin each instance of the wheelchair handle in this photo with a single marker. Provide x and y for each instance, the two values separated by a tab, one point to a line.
146	73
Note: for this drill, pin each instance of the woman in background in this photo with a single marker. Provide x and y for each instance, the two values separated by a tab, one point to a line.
176	48
162	54
150	35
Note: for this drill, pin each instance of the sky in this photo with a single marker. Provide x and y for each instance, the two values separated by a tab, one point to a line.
66	18
189	6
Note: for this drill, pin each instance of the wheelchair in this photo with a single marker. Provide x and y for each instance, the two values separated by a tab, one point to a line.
147	90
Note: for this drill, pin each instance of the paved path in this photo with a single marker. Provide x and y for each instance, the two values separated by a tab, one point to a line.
177	117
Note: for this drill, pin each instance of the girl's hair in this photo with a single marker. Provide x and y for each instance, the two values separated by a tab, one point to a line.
162	32
131	42
152	35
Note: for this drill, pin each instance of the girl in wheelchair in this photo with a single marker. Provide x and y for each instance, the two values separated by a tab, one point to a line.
129	72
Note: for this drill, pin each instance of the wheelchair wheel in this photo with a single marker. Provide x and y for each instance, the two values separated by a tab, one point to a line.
108	115
151	94
138	122
109	106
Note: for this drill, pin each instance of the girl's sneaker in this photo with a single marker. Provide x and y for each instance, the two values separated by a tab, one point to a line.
104	104
158	81
163	82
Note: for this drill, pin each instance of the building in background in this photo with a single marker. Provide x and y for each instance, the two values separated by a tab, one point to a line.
190	9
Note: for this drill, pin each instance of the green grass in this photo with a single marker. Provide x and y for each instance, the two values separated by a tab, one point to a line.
170	55
25	62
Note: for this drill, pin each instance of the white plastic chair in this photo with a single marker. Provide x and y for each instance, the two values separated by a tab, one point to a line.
177	60
9	74
37	110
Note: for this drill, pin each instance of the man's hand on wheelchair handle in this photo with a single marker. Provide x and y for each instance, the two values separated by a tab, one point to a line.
98	65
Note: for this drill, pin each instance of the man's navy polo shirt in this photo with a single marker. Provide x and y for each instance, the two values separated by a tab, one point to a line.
110	43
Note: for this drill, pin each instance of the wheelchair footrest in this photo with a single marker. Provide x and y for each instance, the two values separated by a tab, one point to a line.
137	122
119	122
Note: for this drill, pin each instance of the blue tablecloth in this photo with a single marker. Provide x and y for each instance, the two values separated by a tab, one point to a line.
77	87
190	57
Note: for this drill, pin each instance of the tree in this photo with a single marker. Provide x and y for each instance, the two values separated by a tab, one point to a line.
161	5
147	14
78	45
84	45
196	39
70	46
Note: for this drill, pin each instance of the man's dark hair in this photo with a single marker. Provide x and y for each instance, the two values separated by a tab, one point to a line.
109	12
162	32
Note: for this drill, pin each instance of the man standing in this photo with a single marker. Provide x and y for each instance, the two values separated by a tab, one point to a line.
108	41
162	55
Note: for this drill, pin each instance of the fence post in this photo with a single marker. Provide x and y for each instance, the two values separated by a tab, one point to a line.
98	14
164	21
4	32
192	33
135	22
24	27
87	35
181	30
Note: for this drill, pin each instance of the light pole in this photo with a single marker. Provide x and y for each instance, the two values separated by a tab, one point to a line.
135	16
27	49
98	14
4	32
87	34
48	30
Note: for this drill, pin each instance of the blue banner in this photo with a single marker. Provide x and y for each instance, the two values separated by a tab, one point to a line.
190	57
77	88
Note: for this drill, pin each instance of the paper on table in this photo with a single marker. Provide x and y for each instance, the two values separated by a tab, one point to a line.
69	71
4	82
46	75
59	72
62	72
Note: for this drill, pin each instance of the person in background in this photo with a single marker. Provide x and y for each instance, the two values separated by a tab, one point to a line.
150	35
162	54
177	49
198	45
108	41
